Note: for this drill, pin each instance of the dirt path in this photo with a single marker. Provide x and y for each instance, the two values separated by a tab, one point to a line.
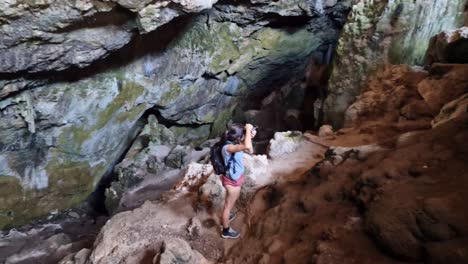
295	215
287	168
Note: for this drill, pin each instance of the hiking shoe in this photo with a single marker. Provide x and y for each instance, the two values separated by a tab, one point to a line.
229	233
232	216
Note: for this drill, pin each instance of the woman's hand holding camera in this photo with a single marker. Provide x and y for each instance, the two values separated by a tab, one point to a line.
252	129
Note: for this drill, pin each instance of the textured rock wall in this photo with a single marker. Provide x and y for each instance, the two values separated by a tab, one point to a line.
381	32
75	77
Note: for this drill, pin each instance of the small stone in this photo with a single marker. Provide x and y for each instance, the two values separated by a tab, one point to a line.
325	131
74	214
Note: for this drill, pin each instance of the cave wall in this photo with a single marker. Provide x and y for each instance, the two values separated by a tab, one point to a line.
380	32
76	76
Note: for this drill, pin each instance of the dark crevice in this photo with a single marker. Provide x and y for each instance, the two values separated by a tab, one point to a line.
118	16
171	123
317	76
96	200
235	3
209	75
277	21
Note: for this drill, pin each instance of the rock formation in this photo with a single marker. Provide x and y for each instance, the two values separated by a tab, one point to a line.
76	76
448	47
120	98
390	175
382	32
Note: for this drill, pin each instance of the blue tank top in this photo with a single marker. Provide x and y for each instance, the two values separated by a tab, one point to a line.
236	168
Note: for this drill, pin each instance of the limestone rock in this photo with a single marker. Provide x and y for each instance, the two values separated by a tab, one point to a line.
154	166
452	78
360	152
195	174
176	250
380	33
155	15
60	133
153	233
284	143
77	258
157	134
325	131
453	110
212	193
63	40
390	90
176	158
256	167
448	47
54	48
194	228
53	248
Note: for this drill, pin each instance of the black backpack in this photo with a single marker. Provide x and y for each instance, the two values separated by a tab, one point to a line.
217	159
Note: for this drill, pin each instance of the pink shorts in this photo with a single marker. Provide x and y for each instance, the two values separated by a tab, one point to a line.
227	181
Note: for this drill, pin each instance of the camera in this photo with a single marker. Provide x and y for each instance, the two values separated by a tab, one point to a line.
254	128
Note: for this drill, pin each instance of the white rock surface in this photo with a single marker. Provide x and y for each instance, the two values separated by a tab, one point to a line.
284	143
194	175
325	131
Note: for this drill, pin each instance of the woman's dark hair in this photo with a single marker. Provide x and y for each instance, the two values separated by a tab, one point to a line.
234	133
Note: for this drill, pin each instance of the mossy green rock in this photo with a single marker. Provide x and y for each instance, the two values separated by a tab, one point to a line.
58	138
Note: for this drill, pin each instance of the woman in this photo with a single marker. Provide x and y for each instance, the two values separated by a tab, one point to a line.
238	139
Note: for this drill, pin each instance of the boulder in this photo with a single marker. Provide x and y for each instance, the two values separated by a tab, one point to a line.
176	158
284	143
154	166
180	156
445	83
176	250
256	167
448	47
157	133
128	236
133	170
52	249
378	34
456	109
195	174
325	131
390	93
211	194
77	258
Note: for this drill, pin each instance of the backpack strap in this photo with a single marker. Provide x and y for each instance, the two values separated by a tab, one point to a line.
231	159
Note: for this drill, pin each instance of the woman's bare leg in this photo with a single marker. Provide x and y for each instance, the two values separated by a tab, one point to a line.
232	193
